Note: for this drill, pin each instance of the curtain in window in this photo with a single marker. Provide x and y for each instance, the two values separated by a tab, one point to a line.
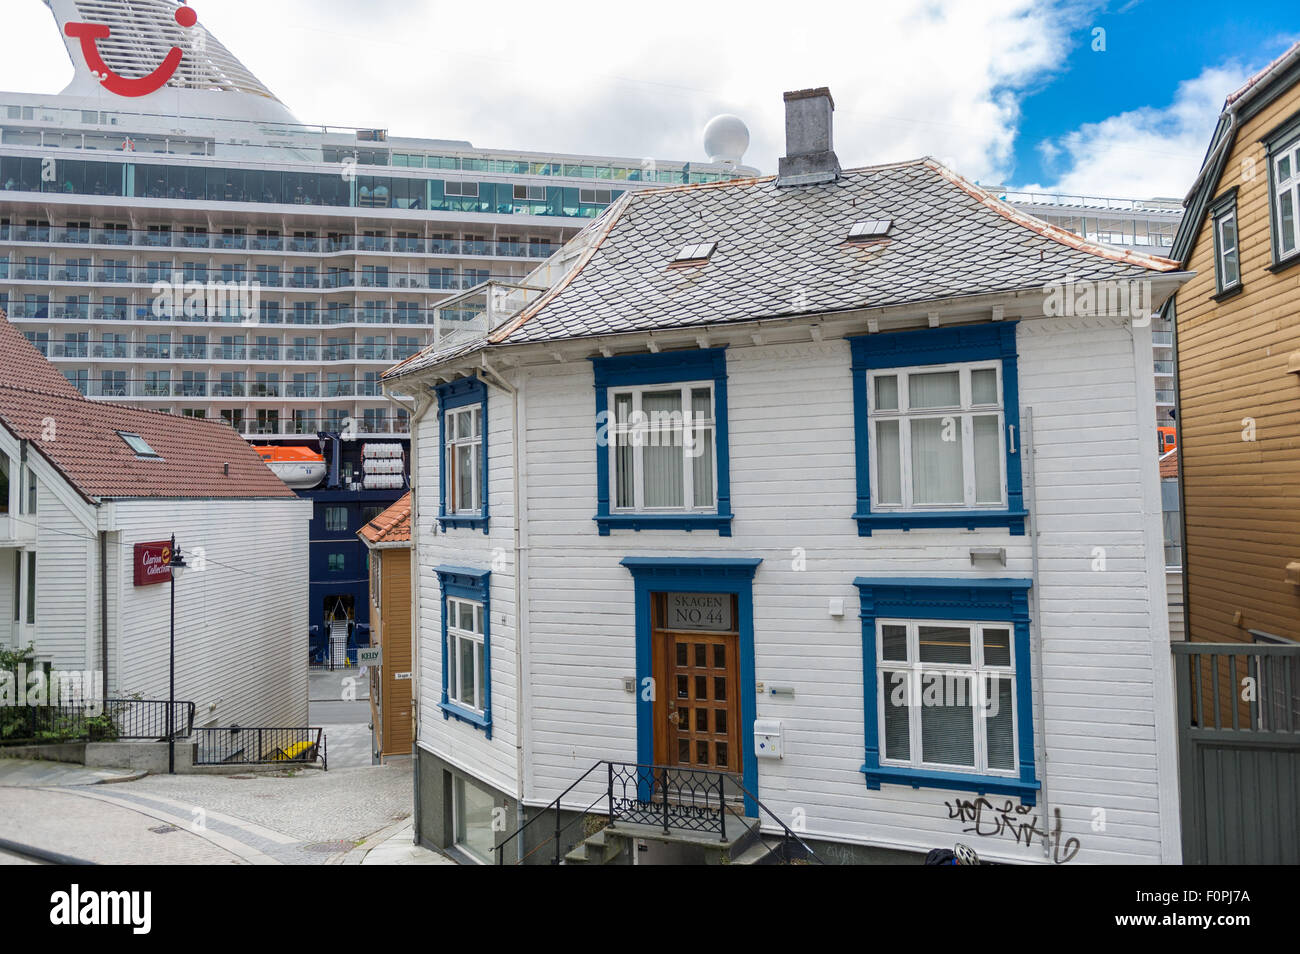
935	389
937	460
988	459
662	454
999	742
702	463
889	463
624	454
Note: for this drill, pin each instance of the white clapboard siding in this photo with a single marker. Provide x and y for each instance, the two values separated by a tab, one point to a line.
793	491
66	608
492	760
241	620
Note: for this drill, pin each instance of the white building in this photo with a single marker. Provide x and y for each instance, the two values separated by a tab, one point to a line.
906	464
82	483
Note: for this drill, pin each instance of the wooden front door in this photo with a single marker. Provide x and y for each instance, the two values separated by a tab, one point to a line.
697	710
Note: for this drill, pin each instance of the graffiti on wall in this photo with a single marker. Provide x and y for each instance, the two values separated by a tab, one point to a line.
982	818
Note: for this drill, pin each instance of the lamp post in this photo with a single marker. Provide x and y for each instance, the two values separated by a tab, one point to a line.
177	562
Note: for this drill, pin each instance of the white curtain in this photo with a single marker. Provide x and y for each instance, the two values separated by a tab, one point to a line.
889	463
934	389
937	460
702	463
984	386
988	459
662	454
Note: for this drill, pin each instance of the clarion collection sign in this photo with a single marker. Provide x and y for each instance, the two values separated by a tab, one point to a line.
153	563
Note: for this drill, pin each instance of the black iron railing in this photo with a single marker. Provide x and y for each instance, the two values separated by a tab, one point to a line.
684	799
260	745
112	720
672	798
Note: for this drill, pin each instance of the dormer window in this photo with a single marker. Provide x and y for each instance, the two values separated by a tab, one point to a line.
139	445
698	252
869	229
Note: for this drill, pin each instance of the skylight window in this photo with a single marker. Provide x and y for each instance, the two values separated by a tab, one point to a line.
696	253
138	444
870	229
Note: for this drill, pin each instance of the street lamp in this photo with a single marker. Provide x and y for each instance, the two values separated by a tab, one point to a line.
176	562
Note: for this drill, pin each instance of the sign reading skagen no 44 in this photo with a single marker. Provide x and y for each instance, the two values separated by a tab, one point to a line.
153	563
710	612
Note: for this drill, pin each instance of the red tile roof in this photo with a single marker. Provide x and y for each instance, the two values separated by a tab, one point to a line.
391	526
81	438
1169	464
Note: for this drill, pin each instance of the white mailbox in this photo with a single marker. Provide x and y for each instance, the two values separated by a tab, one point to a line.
767	739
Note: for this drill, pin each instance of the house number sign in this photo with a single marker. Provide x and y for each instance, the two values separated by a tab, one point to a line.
706	612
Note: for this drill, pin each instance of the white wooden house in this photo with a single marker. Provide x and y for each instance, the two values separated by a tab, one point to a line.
81	484
918	459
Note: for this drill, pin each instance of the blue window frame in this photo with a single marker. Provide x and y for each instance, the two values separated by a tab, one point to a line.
702	507
696	575
974	603
462	437
995	345
466	646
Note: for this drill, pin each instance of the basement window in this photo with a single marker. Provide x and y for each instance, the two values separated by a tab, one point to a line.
698	252
869	229
139	445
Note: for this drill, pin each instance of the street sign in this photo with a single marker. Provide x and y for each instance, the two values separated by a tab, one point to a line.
370	655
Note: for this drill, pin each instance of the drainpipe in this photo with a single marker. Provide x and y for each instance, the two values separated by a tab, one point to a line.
103	613
422	405
1027	441
520	721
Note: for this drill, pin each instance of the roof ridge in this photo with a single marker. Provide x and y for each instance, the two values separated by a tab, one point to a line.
1046	229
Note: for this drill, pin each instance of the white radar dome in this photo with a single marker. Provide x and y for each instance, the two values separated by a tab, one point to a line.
726	138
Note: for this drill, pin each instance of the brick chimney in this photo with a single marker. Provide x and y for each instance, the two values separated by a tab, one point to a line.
810	152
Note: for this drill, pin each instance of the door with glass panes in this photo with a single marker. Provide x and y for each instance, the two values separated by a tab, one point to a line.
697	709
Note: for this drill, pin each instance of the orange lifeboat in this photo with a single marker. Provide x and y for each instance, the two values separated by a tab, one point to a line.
299	467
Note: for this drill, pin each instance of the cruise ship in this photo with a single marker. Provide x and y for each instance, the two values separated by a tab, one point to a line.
173	237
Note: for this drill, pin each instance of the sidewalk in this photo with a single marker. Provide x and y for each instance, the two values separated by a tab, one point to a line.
393	846
30	773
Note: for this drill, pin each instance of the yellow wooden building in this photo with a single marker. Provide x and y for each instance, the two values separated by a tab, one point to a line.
388	539
1238	344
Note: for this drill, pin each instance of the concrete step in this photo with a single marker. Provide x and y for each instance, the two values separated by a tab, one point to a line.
765	850
597	849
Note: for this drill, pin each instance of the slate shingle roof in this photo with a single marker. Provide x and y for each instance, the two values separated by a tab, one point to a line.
784	251
391	526
80	438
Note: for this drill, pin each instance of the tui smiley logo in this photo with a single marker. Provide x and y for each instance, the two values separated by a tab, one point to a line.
91	33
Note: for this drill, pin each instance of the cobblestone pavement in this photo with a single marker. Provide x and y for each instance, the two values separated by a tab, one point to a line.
305	817
348	744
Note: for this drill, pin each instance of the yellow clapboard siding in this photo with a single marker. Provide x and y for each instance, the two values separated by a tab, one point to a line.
1240	498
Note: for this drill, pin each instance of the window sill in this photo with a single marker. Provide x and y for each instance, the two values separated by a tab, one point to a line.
1013	520
1227	293
478	522
664	521
452	711
1289	262
1027	792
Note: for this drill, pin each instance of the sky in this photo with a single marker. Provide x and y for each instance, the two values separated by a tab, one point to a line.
1096	98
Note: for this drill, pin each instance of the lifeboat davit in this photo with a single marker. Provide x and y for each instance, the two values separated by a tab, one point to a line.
299	467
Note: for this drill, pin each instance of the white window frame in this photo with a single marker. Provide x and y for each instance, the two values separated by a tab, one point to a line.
916	669
966	412
455	636
1222	251
453	444
621	435
1281	187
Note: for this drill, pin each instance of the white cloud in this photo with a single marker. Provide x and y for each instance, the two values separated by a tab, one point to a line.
909	78
1144	153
